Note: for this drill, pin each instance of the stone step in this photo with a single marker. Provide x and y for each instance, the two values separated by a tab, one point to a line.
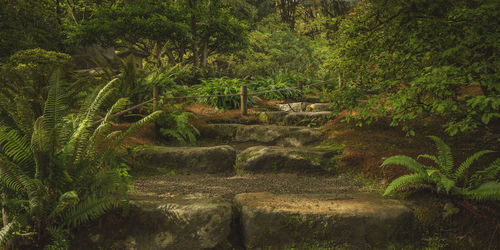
163	223
288	159
290	136
214	159
326	221
304	106
318	107
292	107
310	119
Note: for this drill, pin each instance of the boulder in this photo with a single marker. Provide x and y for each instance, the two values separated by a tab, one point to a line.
310	119
190	159
265	134
317	107
288	159
159	223
293	107
305	221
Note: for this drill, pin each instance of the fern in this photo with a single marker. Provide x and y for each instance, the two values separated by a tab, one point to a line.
406	161
445	157
7	230
486	191
483	184
89	209
468	162
405	180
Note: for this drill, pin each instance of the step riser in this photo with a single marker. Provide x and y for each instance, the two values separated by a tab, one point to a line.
265	134
216	159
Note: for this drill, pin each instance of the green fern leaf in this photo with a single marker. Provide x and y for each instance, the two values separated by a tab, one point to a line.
410	180
468	162
7	230
486	191
406	161
89	209
430	157
444	155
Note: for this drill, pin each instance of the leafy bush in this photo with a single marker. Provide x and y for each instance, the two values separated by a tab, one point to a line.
278	81
66	172
274	47
482	184
421	67
221	86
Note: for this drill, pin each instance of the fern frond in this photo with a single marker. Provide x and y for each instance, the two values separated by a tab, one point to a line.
406	161
468	162
136	126
15	147
24	117
89	209
66	201
7	230
486	191
119	105
410	180
54	109
444	155
430	157
59	240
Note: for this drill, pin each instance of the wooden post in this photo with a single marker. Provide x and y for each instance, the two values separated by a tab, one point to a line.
155	98
244	99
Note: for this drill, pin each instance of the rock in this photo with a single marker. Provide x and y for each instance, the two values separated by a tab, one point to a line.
317	107
294	106
310	119
266	134
288	159
191	159
154	223
360	220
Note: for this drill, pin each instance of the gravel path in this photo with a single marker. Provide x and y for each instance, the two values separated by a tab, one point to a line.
225	187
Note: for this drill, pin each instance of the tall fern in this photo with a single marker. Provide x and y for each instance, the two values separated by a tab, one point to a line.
64	173
445	177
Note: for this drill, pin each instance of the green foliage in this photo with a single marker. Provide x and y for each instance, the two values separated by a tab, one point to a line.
66	172
28	25
221	86
278	81
26	76
273	48
417	59
482	184
176	124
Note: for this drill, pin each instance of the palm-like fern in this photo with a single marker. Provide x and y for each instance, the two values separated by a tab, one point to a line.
65	174
483	184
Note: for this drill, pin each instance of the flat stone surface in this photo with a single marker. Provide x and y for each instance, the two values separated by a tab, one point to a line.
265	134
190	159
155	223
361	220
288	159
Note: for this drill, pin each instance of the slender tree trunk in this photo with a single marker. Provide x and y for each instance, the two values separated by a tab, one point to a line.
204	52
192	4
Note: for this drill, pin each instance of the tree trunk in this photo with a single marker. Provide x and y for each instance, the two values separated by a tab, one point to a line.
204	52
192	5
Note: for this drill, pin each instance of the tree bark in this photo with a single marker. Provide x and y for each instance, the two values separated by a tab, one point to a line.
192	5
204	52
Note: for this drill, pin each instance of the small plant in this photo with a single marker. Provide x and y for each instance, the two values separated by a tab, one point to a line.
483	184
278	81
181	129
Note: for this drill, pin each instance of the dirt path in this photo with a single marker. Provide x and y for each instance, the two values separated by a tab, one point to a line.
226	186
